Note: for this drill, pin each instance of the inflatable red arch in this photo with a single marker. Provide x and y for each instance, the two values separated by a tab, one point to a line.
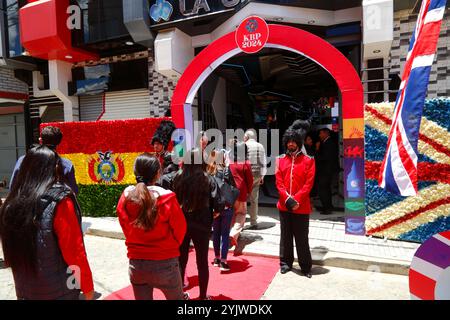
282	37
324	54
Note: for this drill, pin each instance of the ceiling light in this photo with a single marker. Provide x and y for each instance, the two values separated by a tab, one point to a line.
129	43
376	51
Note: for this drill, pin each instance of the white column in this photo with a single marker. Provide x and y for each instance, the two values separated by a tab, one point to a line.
60	74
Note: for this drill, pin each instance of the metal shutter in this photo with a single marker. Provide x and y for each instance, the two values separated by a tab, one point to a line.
90	107
130	104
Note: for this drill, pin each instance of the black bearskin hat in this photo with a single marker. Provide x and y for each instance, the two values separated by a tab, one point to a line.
164	133
297	132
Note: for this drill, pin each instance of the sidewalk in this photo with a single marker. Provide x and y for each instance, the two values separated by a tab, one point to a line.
330	246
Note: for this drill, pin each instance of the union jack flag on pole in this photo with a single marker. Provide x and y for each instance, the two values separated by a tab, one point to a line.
398	173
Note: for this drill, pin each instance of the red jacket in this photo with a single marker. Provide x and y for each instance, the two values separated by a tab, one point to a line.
295	176
242	174
164	240
70	240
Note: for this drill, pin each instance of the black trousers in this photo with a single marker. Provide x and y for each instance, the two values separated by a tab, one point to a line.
295	226
324	181
201	246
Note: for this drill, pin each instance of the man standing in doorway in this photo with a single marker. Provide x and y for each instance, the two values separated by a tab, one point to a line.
51	137
327	167
257	158
294	179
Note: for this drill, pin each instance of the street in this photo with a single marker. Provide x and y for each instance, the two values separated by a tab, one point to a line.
109	264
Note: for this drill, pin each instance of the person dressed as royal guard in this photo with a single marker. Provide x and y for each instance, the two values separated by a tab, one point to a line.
161	140
294	180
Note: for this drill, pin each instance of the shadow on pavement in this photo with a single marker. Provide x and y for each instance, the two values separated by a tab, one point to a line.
261	226
244	240
237	266
315	271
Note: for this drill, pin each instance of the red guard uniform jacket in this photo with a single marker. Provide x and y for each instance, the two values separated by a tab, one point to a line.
295	176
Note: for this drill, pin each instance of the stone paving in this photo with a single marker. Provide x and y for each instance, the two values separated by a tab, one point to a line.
107	259
331	249
328	241
109	265
331	283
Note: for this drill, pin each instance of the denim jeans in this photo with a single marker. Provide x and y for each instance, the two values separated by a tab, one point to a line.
221	233
145	275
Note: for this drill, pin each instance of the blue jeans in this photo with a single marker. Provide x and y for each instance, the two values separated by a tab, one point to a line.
163	274
221	231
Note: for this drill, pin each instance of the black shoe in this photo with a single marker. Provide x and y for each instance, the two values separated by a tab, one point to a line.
326	212
216	262
224	266
285	269
307	274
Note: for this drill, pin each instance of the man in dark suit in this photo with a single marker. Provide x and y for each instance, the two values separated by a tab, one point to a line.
327	166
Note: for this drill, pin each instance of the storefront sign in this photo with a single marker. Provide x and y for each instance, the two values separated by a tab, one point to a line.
252	34
165	10
161	10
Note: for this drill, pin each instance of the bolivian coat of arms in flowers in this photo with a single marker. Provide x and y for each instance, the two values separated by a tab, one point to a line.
106	167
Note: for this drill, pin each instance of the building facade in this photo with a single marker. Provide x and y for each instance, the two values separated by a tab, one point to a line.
127	59
165	36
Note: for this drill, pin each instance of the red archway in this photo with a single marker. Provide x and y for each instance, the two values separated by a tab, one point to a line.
280	36
324	54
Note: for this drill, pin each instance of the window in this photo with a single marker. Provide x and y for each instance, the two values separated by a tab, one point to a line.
375	77
11	11
101	20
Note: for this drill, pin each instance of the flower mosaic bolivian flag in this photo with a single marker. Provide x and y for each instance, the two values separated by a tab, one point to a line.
103	152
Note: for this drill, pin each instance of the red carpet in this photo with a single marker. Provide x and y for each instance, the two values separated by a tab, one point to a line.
248	279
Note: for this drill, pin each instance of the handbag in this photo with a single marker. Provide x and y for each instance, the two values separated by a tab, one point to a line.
229	193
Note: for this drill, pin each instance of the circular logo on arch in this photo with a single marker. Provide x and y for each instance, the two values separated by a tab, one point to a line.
252	34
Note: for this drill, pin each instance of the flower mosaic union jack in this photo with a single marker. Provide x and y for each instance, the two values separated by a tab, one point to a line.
399	168
409	218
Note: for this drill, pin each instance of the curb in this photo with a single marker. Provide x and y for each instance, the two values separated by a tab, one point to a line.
331	259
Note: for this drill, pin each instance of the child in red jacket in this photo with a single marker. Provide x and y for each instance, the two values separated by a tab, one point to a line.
154	228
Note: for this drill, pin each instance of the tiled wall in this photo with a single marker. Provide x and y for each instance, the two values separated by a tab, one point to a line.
161	90
9	83
404	24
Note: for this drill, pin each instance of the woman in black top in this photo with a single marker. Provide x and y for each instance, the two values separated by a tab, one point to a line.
199	197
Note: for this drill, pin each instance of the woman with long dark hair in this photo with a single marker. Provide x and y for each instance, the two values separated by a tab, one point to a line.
199	198
154	228
40	230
